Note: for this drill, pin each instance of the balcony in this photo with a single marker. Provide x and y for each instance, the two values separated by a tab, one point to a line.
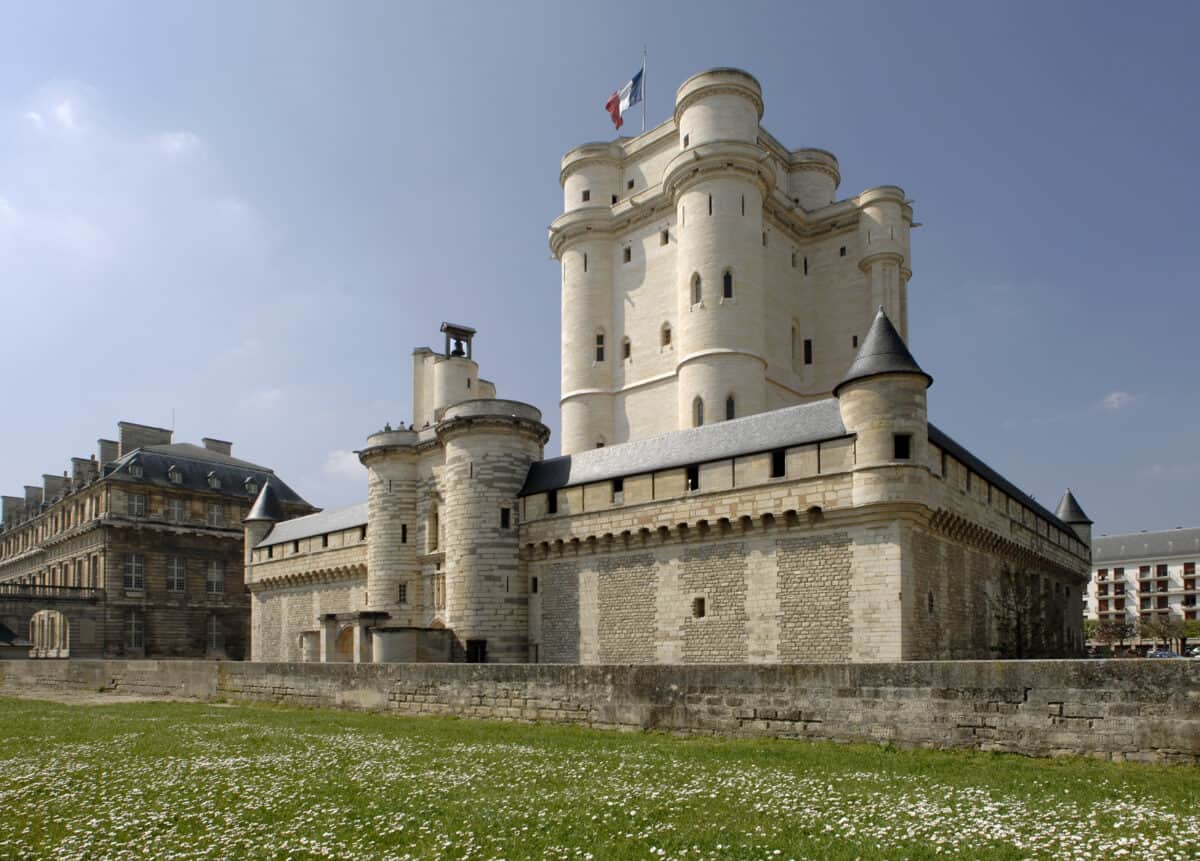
35	592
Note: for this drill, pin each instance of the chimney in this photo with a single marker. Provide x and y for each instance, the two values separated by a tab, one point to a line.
83	471
108	449
12	510
220	446
53	486
134	436
33	500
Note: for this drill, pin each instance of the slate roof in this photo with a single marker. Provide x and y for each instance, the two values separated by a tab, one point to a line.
195	463
977	466
334	520
266	507
1069	510
883	351
782	428
1137	546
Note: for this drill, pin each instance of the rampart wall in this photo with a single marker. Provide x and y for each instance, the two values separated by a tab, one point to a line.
1124	710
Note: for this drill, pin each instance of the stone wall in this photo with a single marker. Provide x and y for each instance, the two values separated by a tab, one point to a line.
1135	710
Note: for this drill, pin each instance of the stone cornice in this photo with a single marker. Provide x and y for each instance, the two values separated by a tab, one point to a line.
703	161
335	574
963	531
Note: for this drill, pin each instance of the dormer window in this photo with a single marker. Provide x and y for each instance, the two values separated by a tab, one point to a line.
214	481
135	468
251	486
174	474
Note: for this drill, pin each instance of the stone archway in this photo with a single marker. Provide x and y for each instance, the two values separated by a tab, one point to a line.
50	633
343	647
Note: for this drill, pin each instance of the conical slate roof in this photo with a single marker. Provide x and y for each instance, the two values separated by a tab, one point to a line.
882	352
266	507
1069	510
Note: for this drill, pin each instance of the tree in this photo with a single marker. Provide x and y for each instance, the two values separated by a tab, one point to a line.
1191	631
1090	627
1163	627
1115	631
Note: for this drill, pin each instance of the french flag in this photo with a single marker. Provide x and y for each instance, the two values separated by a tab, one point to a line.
625	98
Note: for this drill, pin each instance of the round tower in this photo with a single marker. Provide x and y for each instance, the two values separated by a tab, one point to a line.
882	401
263	516
391	461
582	240
814	178
718	184
489	445
883	229
1070	513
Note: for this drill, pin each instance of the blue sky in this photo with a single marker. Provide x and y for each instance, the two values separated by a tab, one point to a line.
248	214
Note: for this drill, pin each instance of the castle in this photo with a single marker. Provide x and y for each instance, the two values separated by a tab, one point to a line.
748	471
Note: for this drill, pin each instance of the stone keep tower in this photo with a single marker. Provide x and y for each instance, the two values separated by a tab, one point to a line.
442	547
709	273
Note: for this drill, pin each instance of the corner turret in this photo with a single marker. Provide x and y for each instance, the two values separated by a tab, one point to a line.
264	514
882	400
1070	513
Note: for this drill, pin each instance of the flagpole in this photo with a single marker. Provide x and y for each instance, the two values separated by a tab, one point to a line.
643	88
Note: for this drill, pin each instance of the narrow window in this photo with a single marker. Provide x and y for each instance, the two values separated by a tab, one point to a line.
625	348
295	546
730	408
697	412
176	574
325	540
362	532
533	585
214	581
710	204
403	533
135	630
664	237
599	346
764	239
854	340
902	445
697	290
585	261
693	477
793	259
697	608
778	463
665	336
587	195
743	204
808	353
137	504
618	490
552	502
795	341
842	251
627	253
685	139
805	265
614	199
216	514
402	591
271	552
727	285
629	184
505	518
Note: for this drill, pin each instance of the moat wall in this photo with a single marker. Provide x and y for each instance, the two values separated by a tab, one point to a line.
1135	710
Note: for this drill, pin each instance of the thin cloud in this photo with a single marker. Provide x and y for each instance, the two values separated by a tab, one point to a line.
1172	472
343	464
1117	400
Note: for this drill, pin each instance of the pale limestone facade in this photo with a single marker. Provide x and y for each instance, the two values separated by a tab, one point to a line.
705	263
826	520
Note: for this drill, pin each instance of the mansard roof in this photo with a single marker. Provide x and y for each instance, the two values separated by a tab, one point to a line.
1139	546
1069	510
334	520
883	351
790	426
196	463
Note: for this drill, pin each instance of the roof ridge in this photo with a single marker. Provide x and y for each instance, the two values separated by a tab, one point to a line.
229	460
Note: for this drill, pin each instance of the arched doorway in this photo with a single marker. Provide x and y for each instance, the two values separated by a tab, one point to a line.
50	633
343	647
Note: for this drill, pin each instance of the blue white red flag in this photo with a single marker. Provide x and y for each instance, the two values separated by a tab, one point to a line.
623	99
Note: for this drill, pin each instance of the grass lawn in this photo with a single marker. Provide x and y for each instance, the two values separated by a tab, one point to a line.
177	780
